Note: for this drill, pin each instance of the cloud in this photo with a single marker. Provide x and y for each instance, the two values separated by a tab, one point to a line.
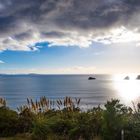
76	70
99	53
2	62
67	22
119	35
63	70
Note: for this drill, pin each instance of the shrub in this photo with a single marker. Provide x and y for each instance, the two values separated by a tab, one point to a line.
132	129
60	126
68	122
82	128
26	118
114	120
8	122
40	129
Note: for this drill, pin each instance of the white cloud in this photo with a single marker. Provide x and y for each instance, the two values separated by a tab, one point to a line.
120	35
70	38
77	70
63	70
99	53
2	62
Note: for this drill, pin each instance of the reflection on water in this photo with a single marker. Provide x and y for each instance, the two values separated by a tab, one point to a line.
92	92
127	90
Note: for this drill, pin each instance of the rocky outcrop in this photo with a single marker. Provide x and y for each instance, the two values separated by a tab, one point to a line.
138	77
91	78
126	78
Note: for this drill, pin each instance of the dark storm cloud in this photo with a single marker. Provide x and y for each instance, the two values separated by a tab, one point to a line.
53	34
23	36
53	17
67	13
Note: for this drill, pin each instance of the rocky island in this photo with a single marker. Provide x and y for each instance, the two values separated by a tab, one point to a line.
91	78
126	78
138	77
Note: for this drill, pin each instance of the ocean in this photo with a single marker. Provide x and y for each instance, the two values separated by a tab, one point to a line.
17	88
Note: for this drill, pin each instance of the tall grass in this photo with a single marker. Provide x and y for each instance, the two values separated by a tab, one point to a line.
2	102
44	105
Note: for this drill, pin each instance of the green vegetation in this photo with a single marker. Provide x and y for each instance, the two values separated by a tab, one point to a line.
64	120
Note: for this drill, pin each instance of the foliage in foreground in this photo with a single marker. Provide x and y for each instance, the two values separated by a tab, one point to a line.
64	120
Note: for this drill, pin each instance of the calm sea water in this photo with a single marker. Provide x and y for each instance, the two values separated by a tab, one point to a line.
16	88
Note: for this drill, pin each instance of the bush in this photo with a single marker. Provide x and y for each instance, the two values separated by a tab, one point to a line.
82	128
40	129
25	121
8	122
60	126
65	124
114	120
132	130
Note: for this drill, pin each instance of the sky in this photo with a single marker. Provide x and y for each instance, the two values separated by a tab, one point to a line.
69	36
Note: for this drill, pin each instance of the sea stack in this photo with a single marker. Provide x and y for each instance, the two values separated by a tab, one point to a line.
126	78
138	77
91	78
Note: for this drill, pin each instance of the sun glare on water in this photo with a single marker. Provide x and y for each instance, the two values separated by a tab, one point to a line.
128	90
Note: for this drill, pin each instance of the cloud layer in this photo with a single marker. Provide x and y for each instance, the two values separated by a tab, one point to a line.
63	70
23	23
